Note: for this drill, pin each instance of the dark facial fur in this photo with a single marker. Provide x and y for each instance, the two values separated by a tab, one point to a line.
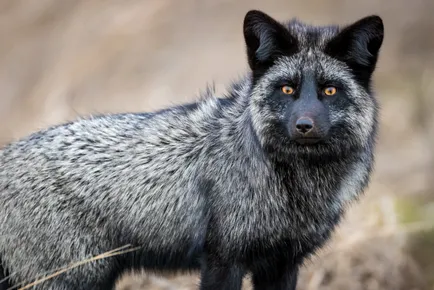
229	186
312	59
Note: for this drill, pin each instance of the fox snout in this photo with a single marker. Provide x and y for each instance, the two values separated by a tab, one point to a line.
304	125
306	131
309	129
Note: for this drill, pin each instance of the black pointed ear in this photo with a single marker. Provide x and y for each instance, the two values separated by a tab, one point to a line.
359	44
266	39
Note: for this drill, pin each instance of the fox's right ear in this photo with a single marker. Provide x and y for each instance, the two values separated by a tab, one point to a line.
266	39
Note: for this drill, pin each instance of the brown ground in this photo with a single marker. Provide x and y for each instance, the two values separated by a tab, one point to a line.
59	59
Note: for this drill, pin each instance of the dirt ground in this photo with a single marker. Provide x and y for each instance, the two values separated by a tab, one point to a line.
61	59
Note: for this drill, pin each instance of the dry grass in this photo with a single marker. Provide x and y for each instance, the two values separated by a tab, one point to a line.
59	59
52	274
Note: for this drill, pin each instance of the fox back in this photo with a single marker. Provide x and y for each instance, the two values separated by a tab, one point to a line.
251	182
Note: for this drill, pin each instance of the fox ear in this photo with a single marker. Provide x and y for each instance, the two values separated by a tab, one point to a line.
266	39
358	44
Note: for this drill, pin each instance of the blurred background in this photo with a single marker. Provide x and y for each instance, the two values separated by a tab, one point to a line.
61	59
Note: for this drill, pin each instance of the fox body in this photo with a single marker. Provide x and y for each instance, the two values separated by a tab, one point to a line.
252	182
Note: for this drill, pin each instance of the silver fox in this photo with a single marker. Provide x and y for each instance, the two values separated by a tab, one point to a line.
253	182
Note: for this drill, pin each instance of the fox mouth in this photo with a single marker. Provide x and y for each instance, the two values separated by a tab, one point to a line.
307	141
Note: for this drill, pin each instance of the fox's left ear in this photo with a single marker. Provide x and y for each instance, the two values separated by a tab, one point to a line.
359	44
266	39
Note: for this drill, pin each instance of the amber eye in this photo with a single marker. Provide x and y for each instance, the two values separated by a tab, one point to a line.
330	91
287	90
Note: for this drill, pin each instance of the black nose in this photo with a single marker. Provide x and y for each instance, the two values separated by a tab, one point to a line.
304	125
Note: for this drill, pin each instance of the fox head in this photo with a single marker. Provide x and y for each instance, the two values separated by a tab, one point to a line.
312	84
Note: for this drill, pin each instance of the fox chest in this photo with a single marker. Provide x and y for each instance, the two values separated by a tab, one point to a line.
271	237
295	222
298	215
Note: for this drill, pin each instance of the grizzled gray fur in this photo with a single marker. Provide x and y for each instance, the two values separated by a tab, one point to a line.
250	183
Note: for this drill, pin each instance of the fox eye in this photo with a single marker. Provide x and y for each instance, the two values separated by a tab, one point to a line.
330	91
287	90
